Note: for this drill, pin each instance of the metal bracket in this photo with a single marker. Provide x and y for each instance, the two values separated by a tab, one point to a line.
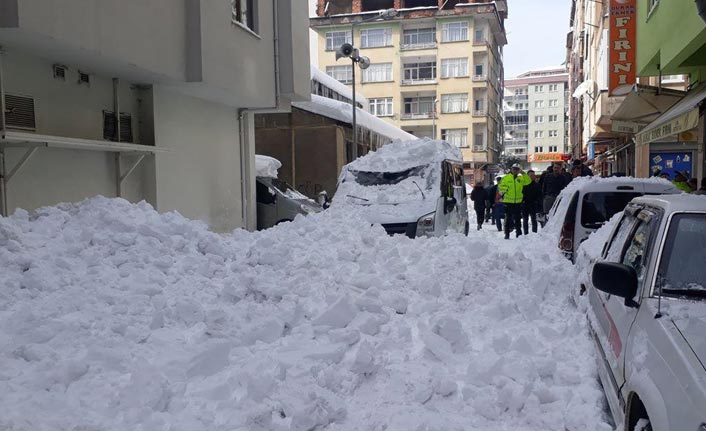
27	155
122	176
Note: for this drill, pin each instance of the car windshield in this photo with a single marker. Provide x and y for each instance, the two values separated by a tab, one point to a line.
599	207
681	271
387	178
287	190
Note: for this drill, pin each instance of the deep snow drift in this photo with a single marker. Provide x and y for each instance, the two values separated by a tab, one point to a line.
114	317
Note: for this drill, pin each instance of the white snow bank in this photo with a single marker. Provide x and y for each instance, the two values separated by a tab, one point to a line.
400	156
115	317
336	85
266	166
342	111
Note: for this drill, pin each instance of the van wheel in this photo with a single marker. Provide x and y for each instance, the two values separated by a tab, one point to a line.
637	419
467	228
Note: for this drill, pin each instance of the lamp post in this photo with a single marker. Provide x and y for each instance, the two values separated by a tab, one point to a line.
433	120
349	51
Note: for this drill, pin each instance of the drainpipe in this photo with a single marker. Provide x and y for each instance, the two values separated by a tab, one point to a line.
3	182
244	156
116	109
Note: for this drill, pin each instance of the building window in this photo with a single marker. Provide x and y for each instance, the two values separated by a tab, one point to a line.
381	72
334	39
243	12
539	118
419	72
452	103
479	36
479	70
553	133
553	149
375	37
553	103
343	73
539	89
478	107
520	92
381	107
538	150
539	103
478	141
553	87
418	106
454	31
457	137
454	67
538	134
418	37
553	118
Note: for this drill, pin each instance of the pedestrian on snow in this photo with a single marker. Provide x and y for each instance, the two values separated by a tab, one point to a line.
498	209
531	198
585	171
567	175
680	181
511	191
552	185
478	196
489	202
702	190
693	184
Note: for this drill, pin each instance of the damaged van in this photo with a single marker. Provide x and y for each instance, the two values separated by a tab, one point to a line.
413	188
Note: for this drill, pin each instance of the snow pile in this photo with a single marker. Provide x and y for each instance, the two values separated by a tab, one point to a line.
113	316
266	166
400	156
336	85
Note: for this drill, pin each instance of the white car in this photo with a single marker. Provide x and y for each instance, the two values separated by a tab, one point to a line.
589	202
647	314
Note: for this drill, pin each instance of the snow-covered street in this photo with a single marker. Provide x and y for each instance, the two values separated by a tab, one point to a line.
114	317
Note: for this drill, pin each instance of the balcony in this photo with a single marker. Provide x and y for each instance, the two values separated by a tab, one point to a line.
420	81
417	46
480	42
479	78
479	112
418	115
517	98
479	148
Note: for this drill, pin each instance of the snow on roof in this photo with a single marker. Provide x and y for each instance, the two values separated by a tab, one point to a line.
400	156
266	166
336	85
342	111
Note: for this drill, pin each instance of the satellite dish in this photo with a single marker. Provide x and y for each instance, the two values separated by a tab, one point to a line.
585	88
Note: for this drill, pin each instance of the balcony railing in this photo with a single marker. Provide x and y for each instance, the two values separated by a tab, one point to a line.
479	78
419	81
418	115
479	112
413	46
479	148
480	42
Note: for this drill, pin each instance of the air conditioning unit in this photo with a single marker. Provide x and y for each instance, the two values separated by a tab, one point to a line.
19	113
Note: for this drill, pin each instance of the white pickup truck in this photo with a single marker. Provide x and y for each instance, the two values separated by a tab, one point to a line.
647	313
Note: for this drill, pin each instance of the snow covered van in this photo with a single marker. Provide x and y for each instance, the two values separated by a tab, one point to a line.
277	201
413	188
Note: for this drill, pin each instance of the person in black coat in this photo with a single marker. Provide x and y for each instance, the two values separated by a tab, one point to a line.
531	198
479	197
552	185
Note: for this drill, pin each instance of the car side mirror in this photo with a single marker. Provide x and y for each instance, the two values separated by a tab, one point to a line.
449	204
616	279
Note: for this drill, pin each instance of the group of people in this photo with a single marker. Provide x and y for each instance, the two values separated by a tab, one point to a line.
518	197
684	183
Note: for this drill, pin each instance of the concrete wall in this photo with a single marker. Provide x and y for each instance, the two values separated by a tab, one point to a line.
200	175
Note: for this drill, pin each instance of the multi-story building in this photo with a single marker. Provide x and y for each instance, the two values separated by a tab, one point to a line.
147	102
536	117
436	68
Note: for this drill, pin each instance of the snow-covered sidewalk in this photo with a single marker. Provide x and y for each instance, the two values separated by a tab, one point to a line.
114	317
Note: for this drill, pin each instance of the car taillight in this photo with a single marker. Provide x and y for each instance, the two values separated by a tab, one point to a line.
566	240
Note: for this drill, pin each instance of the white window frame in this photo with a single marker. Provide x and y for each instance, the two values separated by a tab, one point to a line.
539	103
369	37
414	69
456	26
417	105
454	103
456	137
411	37
538	149
553	87
554	118
553	149
539	134
336	72
241	10
476	145
454	67
553	103
381	106
378	72
336	38
553	133
539	89
539	118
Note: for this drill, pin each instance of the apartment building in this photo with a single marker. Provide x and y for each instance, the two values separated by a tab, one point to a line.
144	100
536	117
436	67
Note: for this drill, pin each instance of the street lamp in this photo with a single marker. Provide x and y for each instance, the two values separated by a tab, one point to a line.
349	51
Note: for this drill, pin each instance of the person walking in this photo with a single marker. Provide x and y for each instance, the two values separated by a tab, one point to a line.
489	202
585	171
552	185
510	188
531	198
478	196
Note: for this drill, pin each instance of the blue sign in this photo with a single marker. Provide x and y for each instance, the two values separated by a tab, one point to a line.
669	163
591	150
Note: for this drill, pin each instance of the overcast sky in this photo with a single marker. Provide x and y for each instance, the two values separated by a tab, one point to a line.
536	34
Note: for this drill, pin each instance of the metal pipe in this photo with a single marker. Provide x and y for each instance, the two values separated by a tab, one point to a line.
354	150
116	106
3	181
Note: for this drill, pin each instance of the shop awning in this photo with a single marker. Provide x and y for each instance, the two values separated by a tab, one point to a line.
681	117
643	105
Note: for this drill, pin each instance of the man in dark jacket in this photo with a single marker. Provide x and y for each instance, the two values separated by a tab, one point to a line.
552	185
585	171
478	196
531	198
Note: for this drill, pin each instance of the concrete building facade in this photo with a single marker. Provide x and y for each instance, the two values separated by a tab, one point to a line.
436	67
536	117
147	101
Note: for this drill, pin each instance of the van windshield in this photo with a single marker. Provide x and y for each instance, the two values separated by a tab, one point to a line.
599	207
681	270
387	178
287	190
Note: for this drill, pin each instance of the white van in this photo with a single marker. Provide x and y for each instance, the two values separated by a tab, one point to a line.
414	188
277	201
589	202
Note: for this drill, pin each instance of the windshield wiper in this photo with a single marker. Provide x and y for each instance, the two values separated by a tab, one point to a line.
684	292
420	189
356	197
